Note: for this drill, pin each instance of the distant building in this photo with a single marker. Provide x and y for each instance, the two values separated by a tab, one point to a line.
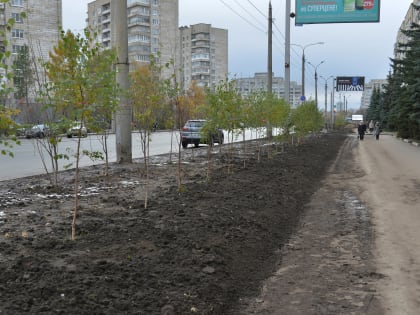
368	91
203	55
152	28
259	82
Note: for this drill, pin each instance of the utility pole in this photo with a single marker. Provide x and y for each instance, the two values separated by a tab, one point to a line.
270	61
270	50
124	112
326	106
287	54
316	79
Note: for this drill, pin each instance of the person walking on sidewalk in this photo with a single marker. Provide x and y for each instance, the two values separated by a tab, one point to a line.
377	130
371	126
361	129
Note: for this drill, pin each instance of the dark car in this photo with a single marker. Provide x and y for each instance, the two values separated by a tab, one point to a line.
193	133
37	131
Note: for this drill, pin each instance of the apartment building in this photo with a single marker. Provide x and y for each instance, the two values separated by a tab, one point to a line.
152	28
39	31
203	55
412	16
259	82
377	84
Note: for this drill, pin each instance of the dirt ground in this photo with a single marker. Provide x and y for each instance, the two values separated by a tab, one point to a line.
210	249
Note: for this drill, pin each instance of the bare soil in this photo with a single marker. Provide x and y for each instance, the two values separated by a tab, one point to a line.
206	249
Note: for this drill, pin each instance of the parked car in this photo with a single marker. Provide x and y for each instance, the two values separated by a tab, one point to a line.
192	133
20	130
37	131
77	130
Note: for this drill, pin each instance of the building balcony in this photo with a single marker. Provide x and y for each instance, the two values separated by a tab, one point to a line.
200	71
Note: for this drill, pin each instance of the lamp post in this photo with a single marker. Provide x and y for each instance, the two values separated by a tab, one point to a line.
326	96
316	79
303	61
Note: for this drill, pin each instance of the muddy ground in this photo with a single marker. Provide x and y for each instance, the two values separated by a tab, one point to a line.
204	249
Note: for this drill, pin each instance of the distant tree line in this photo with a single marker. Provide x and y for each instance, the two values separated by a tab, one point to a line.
397	107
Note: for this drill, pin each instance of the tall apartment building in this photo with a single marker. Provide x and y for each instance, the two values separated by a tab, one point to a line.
152	28
259	82
39	30
203	55
412	16
368	91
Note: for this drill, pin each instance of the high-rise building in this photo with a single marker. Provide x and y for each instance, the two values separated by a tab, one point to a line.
152	28
39	31
259	82
377	84
203	55
412	16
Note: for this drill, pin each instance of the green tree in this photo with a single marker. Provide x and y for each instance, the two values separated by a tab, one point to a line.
401	95
307	118
223	109
77	84
7	123
375	109
148	98
23	78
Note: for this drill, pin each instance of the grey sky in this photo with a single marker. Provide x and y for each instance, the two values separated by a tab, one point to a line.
358	49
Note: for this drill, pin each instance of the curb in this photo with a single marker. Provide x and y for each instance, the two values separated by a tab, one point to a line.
414	143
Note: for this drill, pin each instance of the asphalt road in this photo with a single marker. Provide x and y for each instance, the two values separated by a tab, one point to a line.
27	159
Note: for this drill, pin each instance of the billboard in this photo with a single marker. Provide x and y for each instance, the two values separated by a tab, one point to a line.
350	84
336	11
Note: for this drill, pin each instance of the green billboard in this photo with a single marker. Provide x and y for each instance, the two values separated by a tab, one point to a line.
336	11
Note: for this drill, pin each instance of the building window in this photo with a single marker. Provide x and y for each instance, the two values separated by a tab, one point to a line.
17	17
17	33
17	3
139	38
144	58
16	49
139	19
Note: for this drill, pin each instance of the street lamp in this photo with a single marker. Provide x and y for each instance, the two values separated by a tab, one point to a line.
316	79
303	61
326	91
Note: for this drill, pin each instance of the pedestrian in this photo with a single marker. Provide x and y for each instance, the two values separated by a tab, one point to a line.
361	129
377	130
371	126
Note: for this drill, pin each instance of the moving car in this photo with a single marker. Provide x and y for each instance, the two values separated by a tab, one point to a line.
77	130
193	133
37	131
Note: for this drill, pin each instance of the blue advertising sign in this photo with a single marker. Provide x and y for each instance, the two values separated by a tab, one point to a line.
336	11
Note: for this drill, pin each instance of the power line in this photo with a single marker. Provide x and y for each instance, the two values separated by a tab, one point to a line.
258	10
243	8
243	18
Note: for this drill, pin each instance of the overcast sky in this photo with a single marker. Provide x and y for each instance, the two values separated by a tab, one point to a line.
356	49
